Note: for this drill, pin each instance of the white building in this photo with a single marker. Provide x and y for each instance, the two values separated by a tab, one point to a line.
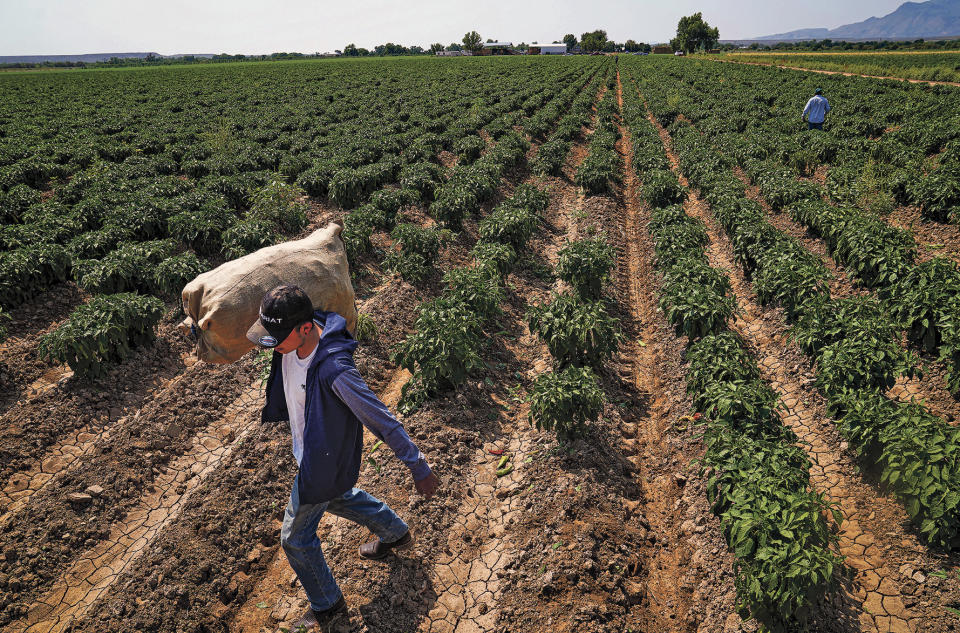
553	49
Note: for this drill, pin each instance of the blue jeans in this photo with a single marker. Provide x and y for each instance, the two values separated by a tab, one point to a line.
814	126
298	536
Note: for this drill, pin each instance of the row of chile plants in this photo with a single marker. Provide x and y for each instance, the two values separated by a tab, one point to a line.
576	324
449	331
854	342
130	207
914	159
758	477
879	153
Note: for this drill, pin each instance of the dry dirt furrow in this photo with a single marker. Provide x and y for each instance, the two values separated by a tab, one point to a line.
22	372
95	570
467	575
674	580
872	536
21	487
62	407
934	239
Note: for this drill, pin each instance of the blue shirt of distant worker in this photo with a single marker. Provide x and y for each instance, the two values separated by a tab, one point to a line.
817	109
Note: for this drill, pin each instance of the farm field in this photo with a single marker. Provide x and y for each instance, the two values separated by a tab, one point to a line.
680	364
920	65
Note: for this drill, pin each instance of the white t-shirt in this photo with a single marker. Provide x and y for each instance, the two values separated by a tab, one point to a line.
295	390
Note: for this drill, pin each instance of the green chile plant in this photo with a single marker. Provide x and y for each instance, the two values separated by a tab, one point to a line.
917	455
25	271
414	252
586	265
601	169
920	298
564	401
576	332
104	330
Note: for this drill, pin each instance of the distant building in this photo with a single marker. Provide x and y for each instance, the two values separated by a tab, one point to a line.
452	53
497	48
662	50
548	49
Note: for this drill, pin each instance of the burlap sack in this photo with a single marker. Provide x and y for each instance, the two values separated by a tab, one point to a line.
223	303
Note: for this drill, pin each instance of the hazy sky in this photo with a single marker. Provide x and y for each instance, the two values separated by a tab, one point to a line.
261	26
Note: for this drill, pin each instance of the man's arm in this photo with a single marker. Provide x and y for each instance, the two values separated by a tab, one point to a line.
354	392
826	105
806	110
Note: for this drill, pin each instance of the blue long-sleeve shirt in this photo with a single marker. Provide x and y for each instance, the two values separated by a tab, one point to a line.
370	410
333	419
817	108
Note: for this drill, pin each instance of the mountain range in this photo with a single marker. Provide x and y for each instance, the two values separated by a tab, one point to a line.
935	18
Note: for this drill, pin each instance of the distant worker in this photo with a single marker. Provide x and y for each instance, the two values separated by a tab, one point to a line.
314	384
817	108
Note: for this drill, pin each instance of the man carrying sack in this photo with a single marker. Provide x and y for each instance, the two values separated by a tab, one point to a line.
314	384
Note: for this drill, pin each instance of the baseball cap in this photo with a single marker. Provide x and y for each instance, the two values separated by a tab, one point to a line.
818	91
281	310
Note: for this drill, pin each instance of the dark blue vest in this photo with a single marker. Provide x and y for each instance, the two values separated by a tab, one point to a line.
332	434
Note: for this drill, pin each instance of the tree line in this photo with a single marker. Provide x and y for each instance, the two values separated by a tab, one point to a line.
693	33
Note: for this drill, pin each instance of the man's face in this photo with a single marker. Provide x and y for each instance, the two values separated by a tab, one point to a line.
294	340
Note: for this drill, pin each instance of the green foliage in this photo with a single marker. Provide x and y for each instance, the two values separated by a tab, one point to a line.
693	33
509	224
202	228
550	157
441	352
919	299
576	332
247	236
498	258
421	177
661	188
938	194
25	271
173	273
414	252
130	267
476	289
366	329
4	322
917	454
586	265
693	309
565	401
104	330
469	148
280	204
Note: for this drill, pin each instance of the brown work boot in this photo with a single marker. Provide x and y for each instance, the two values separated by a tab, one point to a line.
377	549
322	621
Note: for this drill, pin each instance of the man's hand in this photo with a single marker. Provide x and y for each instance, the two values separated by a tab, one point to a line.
428	485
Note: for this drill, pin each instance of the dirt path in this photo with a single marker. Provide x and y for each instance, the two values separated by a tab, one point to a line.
95	570
871	537
671	597
934	239
836	72
21	487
